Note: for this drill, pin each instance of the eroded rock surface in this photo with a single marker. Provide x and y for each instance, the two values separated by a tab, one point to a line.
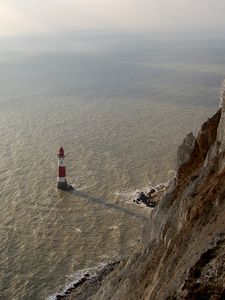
185	149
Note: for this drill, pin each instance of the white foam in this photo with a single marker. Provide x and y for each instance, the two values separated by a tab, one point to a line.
76	277
130	195
113	227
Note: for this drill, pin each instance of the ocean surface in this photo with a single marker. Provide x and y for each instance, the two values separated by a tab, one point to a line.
119	104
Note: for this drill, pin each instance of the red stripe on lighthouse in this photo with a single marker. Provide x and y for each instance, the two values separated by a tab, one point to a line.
62	171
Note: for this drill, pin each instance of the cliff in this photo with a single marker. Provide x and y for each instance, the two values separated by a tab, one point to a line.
181	255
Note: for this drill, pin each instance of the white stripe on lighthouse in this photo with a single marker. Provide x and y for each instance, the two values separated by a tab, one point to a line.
61	179
61	162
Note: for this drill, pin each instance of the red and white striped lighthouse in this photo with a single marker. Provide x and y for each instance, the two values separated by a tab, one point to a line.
61	180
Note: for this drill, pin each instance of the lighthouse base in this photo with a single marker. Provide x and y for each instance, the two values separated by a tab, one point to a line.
64	186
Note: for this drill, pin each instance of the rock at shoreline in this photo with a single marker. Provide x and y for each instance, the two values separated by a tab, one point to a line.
152	198
87	285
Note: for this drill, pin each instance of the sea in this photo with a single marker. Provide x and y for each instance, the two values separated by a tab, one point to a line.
119	103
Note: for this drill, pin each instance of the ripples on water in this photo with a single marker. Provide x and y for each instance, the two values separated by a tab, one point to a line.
120	115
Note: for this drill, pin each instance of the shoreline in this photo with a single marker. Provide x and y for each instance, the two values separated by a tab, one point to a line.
90	277
152	197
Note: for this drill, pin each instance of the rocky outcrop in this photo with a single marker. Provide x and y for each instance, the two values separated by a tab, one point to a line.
185	149
182	252
202	144
87	284
152	198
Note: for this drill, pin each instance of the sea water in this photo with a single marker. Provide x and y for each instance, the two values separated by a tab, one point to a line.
119	104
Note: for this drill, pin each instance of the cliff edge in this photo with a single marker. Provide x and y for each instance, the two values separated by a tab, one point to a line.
181	255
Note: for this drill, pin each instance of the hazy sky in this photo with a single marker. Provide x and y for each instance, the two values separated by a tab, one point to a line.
34	16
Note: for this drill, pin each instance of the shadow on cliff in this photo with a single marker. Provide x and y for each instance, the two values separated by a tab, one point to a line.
103	202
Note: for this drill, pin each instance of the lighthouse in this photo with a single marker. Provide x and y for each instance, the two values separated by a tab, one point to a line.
61	180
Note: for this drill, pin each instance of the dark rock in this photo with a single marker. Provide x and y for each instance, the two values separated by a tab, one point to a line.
151	192
83	279
193	178
146	198
143	197
75	285
194	195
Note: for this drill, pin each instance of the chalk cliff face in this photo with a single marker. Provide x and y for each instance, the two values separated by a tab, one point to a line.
182	254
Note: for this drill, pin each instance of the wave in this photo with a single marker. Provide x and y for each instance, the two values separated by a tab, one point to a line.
130	195
78	278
